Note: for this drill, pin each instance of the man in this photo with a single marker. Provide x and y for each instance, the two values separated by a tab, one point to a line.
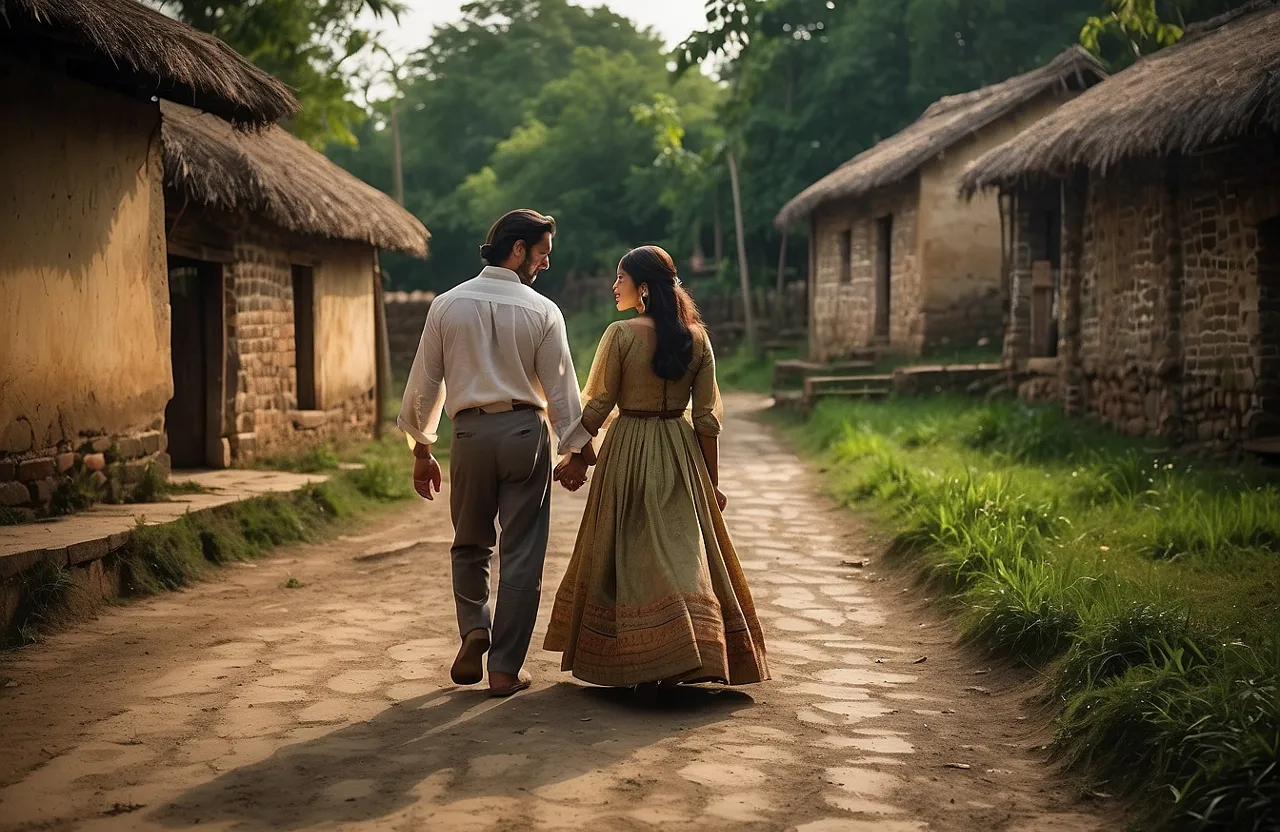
494	354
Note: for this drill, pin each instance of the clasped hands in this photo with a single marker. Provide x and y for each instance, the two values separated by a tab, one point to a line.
572	472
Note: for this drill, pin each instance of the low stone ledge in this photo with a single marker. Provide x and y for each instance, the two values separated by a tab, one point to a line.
310	419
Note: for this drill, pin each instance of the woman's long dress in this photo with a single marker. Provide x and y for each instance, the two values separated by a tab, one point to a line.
654	590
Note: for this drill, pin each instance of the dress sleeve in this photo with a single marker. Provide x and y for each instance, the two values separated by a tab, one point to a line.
605	381
708	410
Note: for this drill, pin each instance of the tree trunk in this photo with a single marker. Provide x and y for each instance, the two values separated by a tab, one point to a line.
397	161
719	232
743	277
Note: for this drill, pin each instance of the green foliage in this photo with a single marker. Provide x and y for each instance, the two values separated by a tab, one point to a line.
1060	554
1131	29
1136	23
308	44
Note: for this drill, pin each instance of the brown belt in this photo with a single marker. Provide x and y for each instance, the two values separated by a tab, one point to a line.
476	411
652	414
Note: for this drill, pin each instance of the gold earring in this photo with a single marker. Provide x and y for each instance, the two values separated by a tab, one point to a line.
644	305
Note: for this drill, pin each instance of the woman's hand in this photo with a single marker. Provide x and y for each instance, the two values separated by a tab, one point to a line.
721	500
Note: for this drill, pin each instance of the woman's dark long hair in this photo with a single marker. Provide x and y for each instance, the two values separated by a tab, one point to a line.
673	311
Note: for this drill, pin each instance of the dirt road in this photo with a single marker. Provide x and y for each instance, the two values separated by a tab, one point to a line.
241	704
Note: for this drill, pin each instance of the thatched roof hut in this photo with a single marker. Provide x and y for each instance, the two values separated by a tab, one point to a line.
945	123
122	43
279	177
1218	84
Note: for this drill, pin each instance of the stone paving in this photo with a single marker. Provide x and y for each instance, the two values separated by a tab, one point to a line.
242	704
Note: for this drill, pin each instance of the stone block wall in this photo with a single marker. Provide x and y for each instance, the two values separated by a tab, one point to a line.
30	481
1128	327
1164	297
843	310
406	315
1229	357
261	413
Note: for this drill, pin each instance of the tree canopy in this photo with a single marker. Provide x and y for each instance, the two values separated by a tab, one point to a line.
579	113
308	44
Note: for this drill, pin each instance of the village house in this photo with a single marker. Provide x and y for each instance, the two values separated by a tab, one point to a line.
274	286
1146	228
85	369
897	261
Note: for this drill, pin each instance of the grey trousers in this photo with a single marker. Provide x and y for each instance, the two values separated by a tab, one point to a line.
500	466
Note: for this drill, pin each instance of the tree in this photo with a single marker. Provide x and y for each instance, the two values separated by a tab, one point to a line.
1140	27
474	87
307	44
580	156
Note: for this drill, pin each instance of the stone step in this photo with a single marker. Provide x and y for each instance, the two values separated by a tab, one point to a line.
824	384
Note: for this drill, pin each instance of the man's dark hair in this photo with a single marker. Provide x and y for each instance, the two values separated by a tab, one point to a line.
521	224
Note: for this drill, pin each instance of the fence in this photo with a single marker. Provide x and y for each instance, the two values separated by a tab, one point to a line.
781	318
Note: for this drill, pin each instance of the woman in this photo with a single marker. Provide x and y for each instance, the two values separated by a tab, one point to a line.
654	592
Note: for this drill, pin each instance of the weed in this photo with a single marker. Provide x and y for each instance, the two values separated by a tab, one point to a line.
43	590
77	491
292	583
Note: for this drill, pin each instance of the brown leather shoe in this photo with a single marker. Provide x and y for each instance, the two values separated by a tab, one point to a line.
468	667
504	684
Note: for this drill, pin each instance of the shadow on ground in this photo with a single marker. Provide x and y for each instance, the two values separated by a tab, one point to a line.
448	748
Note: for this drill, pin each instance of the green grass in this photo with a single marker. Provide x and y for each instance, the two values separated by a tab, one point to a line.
1145	588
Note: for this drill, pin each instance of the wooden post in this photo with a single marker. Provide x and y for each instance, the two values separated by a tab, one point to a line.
382	384
744	278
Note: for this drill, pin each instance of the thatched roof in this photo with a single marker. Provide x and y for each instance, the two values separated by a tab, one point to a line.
1220	82
125	43
945	123
276	176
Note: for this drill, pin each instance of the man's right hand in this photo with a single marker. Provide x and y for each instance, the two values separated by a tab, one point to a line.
426	476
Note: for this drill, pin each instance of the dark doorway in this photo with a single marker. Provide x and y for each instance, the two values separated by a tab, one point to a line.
846	256
884	274
304	334
1267	383
1045	274
192	417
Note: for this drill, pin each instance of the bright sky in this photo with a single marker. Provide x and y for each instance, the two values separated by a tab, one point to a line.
672	19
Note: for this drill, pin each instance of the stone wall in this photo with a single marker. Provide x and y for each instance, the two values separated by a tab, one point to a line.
1228	356
406	315
843	304
84	315
1160	306
262	416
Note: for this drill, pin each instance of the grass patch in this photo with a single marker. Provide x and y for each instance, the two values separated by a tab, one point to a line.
1145	588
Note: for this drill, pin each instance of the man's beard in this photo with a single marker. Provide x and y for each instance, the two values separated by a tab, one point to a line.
526	270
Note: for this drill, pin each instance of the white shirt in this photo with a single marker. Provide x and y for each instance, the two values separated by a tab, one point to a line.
493	339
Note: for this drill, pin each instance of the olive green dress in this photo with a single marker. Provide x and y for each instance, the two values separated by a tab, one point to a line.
654	591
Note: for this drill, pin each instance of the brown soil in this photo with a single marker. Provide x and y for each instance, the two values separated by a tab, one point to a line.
242	704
